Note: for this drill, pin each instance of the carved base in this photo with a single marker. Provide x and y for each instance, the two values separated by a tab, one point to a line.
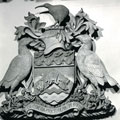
80	105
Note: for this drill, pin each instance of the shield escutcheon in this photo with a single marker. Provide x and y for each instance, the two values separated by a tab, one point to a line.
54	75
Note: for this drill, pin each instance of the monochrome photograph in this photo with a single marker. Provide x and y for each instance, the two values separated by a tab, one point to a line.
59	59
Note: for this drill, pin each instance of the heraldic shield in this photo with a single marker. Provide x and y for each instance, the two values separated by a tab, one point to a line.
54	76
54	82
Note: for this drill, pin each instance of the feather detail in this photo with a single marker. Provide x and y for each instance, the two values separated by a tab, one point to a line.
111	81
92	67
100	80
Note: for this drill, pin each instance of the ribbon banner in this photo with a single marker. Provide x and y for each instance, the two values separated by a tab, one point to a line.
53	110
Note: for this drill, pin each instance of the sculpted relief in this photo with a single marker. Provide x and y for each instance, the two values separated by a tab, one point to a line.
53	83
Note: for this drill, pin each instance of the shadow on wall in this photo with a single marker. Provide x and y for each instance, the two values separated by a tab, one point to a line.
3	1
6	1
115	117
39	0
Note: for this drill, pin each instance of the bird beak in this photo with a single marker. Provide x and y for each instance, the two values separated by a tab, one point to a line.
39	6
44	12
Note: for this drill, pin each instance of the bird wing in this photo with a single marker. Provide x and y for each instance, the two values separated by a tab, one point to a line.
93	65
95	68
13	69
59	12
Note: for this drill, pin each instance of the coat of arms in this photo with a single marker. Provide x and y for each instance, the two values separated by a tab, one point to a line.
53	83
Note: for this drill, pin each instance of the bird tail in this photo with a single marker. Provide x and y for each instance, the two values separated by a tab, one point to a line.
100	80
0	84
1	92
113	83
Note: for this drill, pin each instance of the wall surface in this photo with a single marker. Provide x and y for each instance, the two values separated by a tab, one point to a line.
104	12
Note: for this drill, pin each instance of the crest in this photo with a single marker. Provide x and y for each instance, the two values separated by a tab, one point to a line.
57	81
